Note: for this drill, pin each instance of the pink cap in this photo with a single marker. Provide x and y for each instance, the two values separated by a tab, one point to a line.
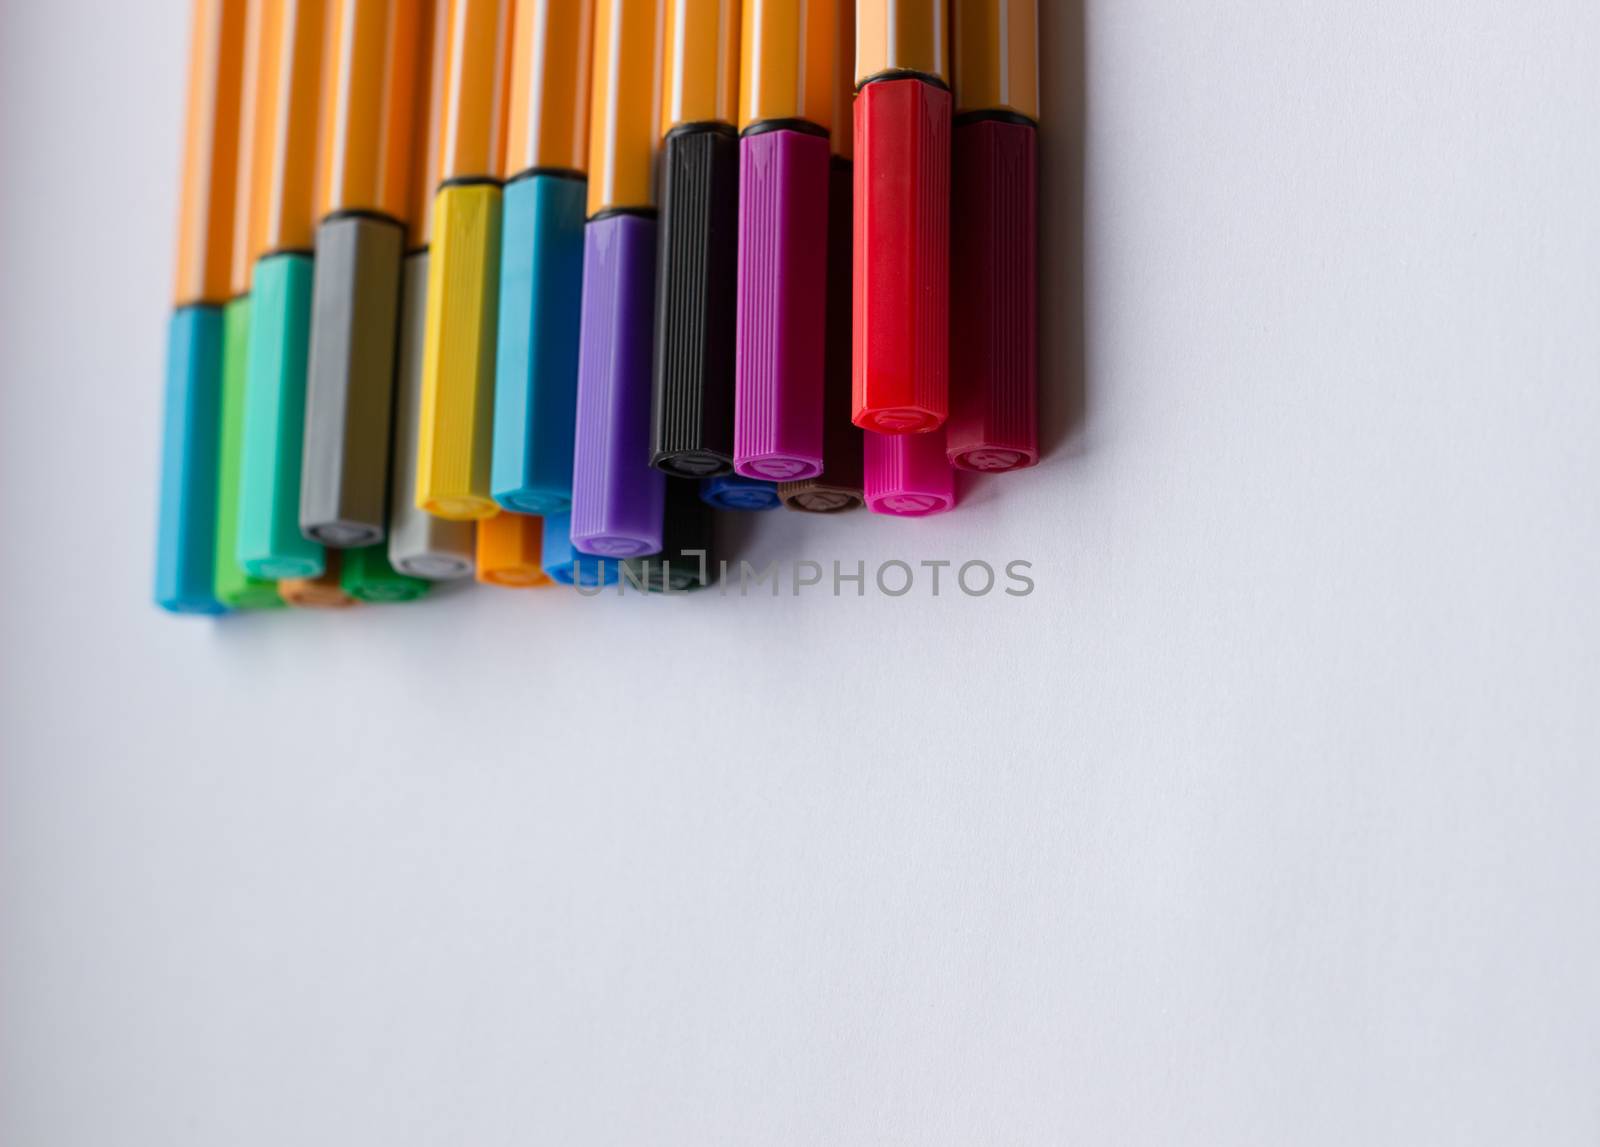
908	474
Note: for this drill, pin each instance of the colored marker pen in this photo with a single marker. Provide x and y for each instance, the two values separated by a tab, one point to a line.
908	475
617	496
733	492
994	422
419	543
785	111
566	565
902	216
366	575
687	559
283	162
325	590
235	588
186	534
691	408
541	256
365	169
508	551
453	445
838	487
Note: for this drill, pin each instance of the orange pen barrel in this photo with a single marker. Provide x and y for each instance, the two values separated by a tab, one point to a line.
624	124
427	138
210	152
902	216
284	131
375	56
547	117
786	105
475	94
994	202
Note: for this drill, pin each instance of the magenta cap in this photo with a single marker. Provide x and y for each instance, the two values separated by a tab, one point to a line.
783	272
908	474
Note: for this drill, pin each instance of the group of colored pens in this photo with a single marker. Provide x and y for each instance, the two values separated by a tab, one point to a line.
527	288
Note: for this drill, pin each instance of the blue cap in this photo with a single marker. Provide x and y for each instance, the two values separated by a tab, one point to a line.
566	565
536	356
732	492
186	539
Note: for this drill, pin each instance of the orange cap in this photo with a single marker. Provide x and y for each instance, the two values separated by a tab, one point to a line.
509	548
478	74
625	103
996	56
843	134
902	36
427	139
367	106
325	591
547	124
210	152
702	63
283	127
788	48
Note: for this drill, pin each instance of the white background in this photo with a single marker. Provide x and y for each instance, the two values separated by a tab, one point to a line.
1269	818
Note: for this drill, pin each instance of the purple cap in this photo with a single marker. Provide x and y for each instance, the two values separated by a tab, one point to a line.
908	474
618	498
783	272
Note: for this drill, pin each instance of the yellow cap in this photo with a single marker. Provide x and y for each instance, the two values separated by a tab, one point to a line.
548	120
702	63
283	131
427	134
996	56
478	77
625	104
210	152
788	48
902	36
509	549
456	422
367	107
843	133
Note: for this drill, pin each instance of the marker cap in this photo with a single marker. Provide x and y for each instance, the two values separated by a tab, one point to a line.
548	115
731	492
566	565
210	152
235	588
692	384
783	209
902	257
687	559
419	543
996	57
629	42
701	63
536	360
907	475
787	74
508	551
616	494
838	487
895	36
366	575
476	90
994	421
270	543
350	381
455	439
186	536
323	591
368	110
